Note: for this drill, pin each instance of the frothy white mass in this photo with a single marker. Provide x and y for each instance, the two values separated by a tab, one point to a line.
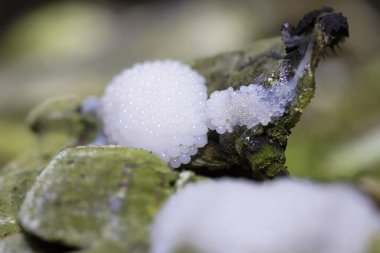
158	106
253	104
284	216
249	106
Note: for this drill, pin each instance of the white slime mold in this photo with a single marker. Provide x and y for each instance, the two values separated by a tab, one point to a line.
161	106
283	216
158	106
253	104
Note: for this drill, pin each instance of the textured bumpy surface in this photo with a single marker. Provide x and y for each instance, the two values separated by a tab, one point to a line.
283	216
253	104
157	106
15	181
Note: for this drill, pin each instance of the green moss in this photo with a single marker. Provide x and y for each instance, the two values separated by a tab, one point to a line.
267	159
98	193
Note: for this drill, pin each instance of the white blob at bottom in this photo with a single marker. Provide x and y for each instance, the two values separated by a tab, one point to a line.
283	216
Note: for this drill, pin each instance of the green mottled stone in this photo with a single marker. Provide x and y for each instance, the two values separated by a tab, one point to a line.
16	244
15	180
257	153
87	194
58	124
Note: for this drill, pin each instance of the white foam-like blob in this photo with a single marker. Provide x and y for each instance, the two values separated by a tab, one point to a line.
253	104
158	106
284	216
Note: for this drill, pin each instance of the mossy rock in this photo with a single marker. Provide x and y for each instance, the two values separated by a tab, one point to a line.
18	176
15	181
57	124
89	194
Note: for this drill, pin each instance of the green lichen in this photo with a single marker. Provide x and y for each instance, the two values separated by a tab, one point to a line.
98	193
264	156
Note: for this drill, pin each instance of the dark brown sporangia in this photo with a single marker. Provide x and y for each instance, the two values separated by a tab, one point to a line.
334	25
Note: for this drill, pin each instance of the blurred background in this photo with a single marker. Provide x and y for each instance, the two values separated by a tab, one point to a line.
54	48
